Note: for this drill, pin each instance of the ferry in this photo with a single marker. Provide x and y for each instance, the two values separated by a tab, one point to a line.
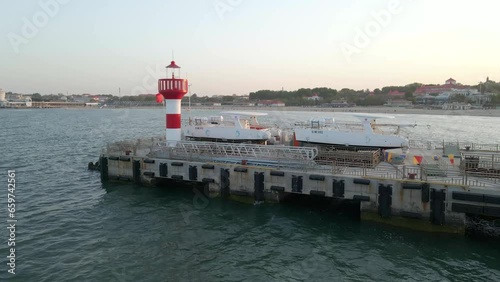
239	127
365	135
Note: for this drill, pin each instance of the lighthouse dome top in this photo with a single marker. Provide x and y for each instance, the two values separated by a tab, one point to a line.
174	87
173	65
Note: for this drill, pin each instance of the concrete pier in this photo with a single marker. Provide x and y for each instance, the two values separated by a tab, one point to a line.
412	203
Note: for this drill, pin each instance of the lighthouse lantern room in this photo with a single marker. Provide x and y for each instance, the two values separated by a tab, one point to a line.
173	89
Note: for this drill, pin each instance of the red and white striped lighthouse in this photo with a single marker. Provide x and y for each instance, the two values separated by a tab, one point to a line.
172	90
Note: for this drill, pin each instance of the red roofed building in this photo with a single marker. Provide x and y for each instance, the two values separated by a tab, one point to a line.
314	97
451	81
436	89
396	94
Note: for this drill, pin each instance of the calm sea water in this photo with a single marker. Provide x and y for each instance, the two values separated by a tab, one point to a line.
72	228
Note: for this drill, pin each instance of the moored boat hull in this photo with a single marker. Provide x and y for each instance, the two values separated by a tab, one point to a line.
215	133
350	139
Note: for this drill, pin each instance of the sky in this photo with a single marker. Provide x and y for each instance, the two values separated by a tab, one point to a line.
230	47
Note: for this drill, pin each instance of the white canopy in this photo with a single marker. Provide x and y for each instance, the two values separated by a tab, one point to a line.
244	113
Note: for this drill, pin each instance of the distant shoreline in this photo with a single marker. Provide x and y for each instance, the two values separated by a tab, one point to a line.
373	109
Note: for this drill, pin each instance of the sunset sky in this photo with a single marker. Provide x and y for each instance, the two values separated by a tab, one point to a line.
238	46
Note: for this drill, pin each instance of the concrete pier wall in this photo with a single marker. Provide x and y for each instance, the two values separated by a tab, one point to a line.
435	204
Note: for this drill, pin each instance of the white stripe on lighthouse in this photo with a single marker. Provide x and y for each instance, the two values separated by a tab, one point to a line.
173	106
173	134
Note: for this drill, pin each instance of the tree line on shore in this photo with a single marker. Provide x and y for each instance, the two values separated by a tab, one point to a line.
376	97
329	95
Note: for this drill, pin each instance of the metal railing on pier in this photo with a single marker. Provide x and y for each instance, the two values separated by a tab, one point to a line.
425	144
471	146
281	156
460	145
424	172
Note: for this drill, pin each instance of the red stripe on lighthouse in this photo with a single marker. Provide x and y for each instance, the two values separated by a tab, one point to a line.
173	120
173	96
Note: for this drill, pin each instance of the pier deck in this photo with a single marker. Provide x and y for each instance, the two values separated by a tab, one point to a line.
436	191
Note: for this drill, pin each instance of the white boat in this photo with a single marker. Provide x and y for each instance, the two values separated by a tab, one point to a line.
238	128
367	134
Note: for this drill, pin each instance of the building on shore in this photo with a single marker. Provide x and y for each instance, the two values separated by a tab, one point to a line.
79	99
451	81
398	103
449	85
456	106
314	97
2	95
395	94
3	100
338	104
271	103
243	104
455	95
14	100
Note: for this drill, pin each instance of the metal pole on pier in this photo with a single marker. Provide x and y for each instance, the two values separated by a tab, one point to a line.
189	100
